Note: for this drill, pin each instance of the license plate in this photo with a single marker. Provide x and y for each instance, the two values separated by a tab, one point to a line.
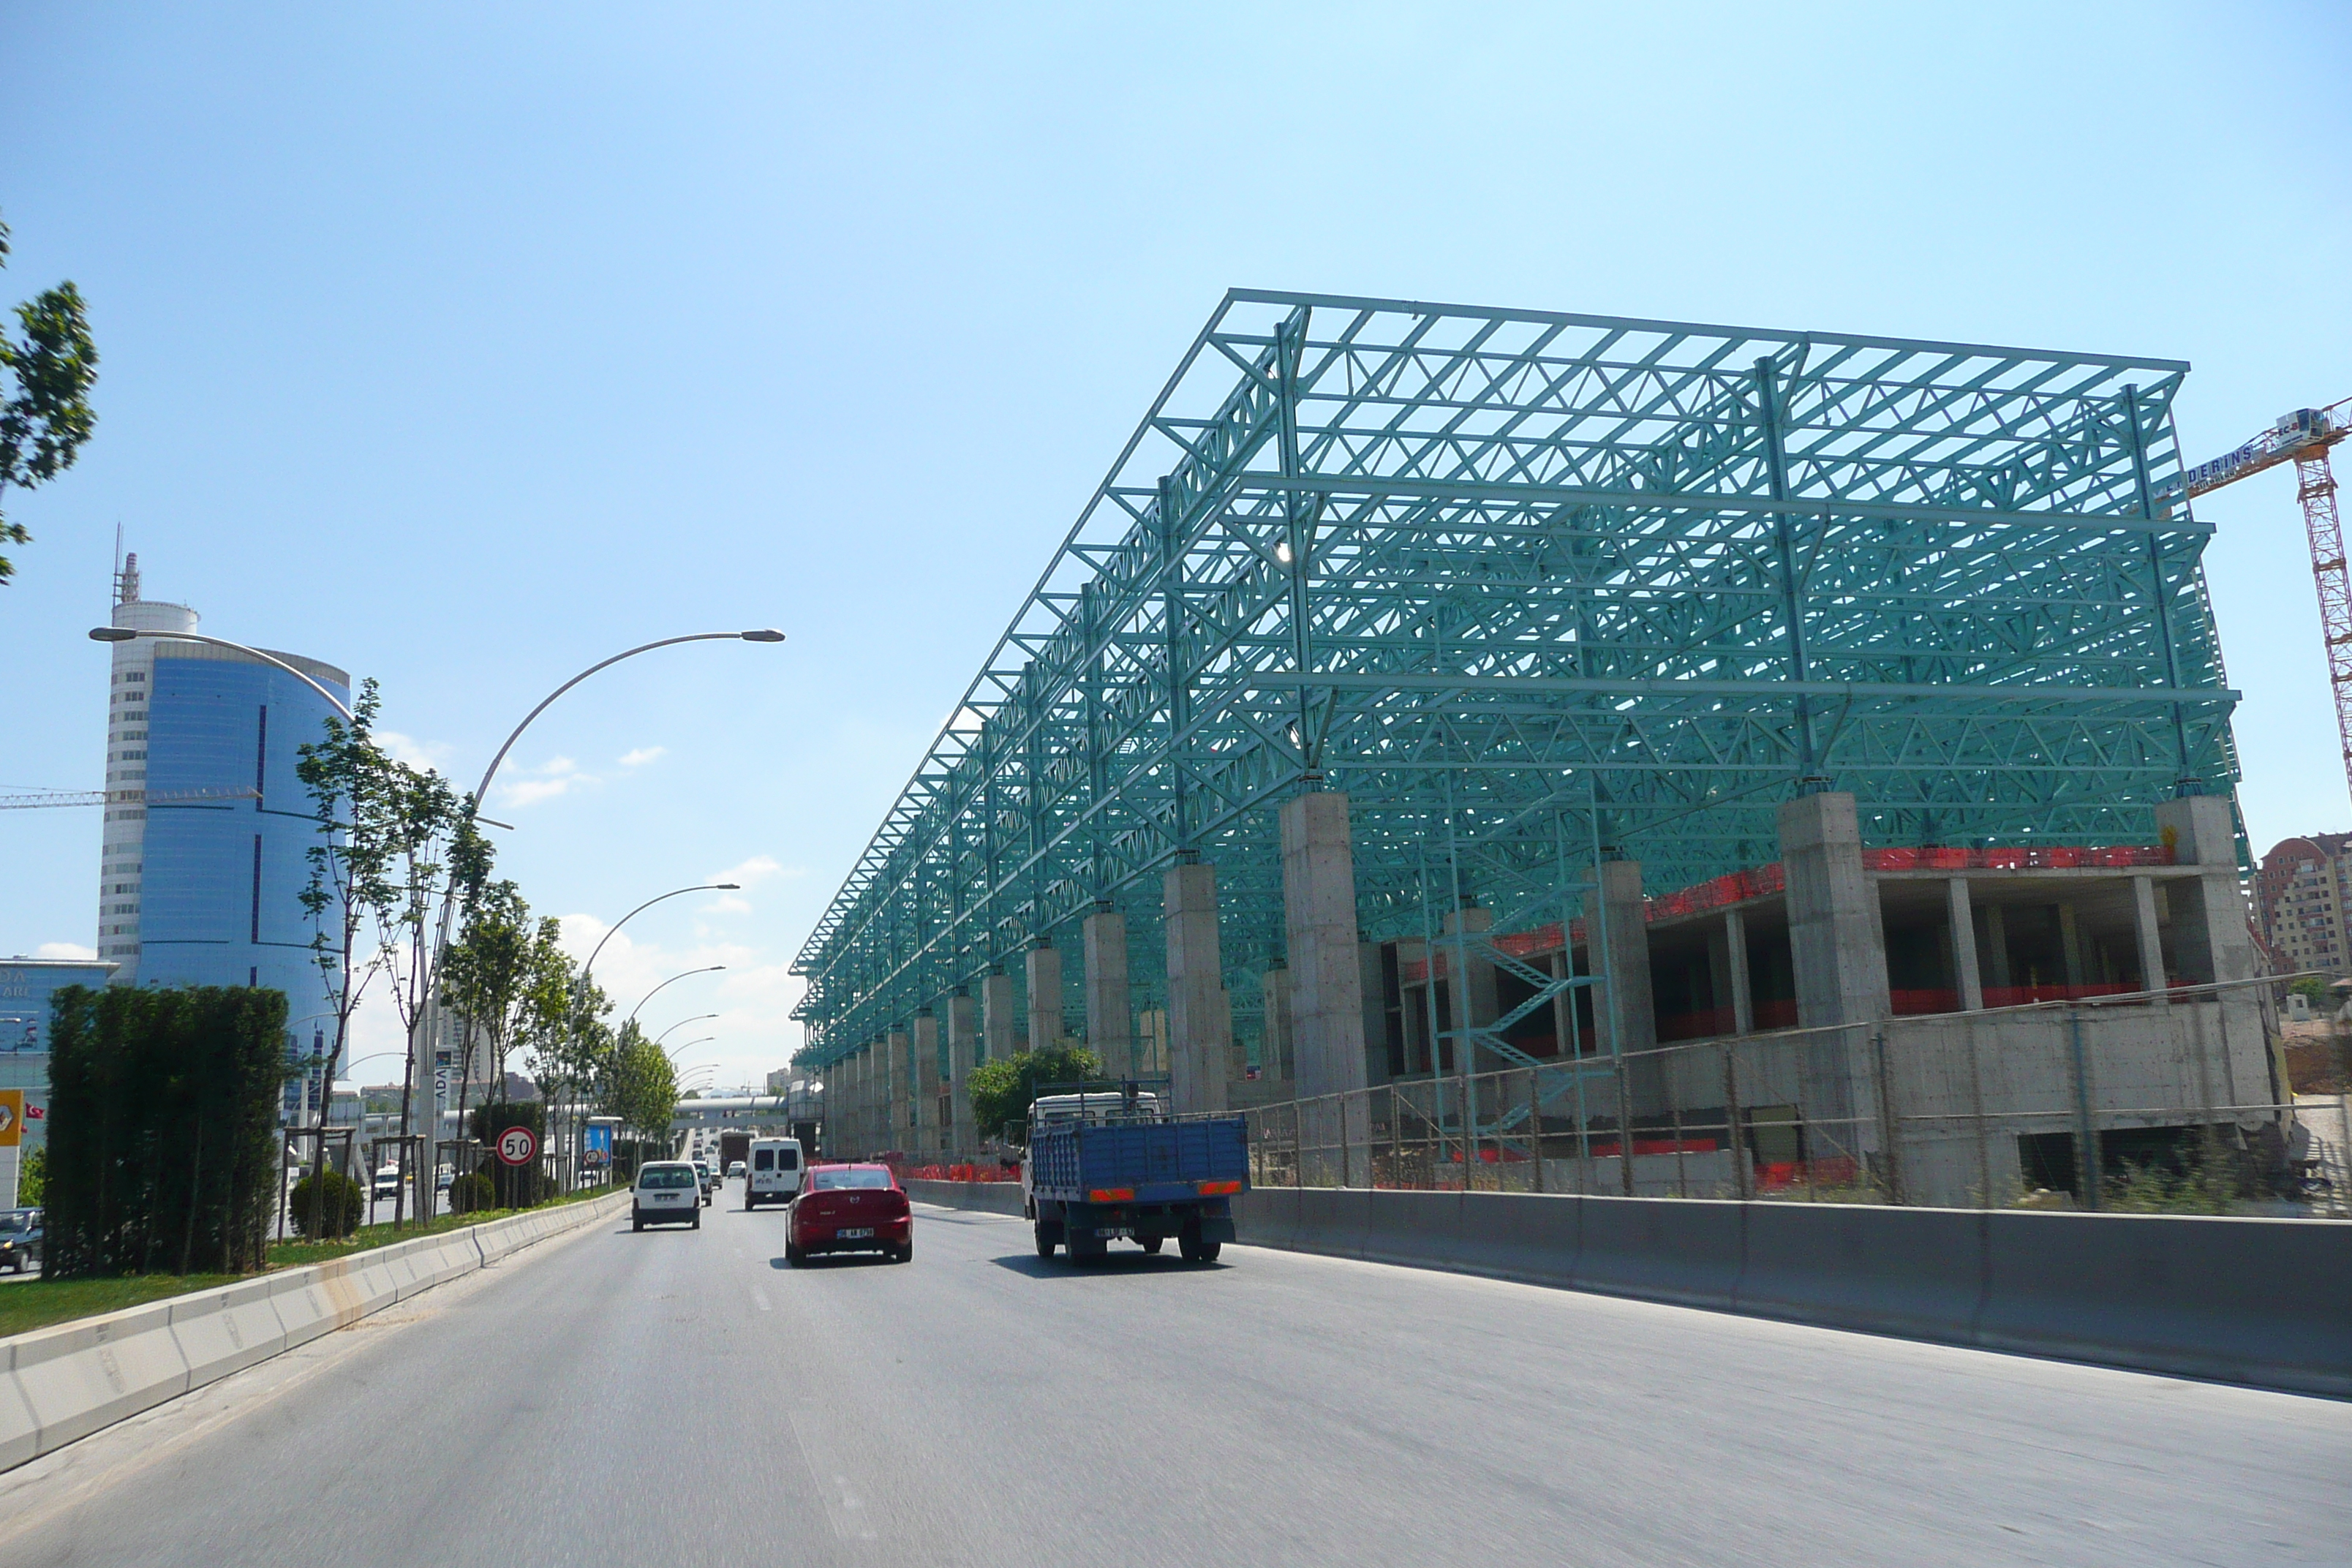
861	1234
1107	1230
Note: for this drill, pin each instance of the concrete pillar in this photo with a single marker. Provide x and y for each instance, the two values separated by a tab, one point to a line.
1960	913
1044	976
1327	978
1275	1057
923	1091
1627	1007
1200	1013
1743	987
897	1116
2070	944
1469	986
1995	947
2209	938
963	1137
853	1110
1371	965
996	1015
2150	936
1110	1022
1835	940
870	1081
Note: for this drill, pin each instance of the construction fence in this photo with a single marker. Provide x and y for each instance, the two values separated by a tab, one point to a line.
2171	1102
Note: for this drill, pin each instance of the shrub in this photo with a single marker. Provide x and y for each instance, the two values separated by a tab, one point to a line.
32	1178
472	1192
338	1206
516	1186
1002	1091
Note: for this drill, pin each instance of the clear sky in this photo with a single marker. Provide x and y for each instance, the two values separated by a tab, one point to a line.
462	345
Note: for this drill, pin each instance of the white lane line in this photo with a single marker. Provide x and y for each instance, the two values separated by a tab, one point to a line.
852	1520
759	1298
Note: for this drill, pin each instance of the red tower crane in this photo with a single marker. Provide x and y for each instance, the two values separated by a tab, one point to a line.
2303	438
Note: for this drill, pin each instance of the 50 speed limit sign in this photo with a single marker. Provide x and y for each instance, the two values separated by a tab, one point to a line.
517	1146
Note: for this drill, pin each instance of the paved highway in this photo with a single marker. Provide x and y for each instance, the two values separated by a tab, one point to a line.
680	1399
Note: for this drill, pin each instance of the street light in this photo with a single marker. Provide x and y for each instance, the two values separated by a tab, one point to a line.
690	1045
633	914
125	634
682	1024
707	969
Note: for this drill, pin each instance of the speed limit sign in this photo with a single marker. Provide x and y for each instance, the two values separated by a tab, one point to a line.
517	1146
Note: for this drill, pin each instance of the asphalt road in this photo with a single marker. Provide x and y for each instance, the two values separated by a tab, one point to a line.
681	1398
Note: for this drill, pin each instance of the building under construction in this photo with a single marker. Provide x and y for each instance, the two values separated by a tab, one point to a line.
1432	689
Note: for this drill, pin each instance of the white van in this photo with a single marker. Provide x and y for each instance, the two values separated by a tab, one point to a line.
775	1173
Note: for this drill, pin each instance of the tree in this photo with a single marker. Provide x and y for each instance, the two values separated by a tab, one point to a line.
45	382
375	872
33	1177
1002	1090
642	1088
508	978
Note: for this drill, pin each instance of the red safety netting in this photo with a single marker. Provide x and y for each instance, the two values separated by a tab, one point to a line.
988	1172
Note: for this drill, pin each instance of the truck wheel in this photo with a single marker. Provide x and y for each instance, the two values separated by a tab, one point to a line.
698	1223
1046	1239
1153	1243
1194	1249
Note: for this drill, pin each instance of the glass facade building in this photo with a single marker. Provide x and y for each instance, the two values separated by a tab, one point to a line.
26	987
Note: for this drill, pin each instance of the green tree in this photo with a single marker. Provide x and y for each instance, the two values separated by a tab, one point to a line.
45	382
33	1177
641	1087
1002	1091
376	870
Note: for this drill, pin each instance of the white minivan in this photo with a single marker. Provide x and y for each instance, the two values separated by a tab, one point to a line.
775	1173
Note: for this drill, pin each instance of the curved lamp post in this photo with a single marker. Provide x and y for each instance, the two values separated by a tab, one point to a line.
706	969
701	1041
682	1023
126	634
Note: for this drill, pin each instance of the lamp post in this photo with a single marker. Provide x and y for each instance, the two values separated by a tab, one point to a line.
706	969
125	634
682	1024
702	1041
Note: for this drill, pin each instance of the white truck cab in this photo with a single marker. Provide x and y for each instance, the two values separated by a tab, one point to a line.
1102	1106
773	1174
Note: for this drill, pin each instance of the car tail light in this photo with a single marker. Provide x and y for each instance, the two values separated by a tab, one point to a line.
1111	1195
1218	1189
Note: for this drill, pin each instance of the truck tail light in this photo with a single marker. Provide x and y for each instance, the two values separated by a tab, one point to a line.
1111	1195
1219	1189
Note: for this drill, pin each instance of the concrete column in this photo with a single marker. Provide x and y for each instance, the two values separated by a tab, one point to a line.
870	1081
1200	1013
2151	937
2209	938
2070	944
1627	1006
1275	1057
897	1117
853	1110
1960	913
1376	1014
1995	947
996	1015
924	1085
963	1137
1743	988
1327	978
1835	940
1472	991
1110	1020
1045	964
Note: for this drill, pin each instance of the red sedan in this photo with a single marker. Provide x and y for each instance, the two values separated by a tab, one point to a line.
849	1209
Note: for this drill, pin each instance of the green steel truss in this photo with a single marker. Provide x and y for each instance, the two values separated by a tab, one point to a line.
1526	584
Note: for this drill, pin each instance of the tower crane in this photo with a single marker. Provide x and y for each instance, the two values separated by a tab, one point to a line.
2303	438
53	797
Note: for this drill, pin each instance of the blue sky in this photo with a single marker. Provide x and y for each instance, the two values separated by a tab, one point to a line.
462	345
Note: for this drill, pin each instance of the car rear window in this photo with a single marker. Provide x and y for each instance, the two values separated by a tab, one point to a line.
763	1159
665	1177
827	1181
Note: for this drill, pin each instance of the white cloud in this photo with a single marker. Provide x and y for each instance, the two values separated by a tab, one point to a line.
754	1030
64	950
727	904
407	748
557	777
757	870
642	755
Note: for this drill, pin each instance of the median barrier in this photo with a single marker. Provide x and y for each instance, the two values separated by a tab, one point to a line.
61	1384
1923	1277
988	1197
79	1377
226	1331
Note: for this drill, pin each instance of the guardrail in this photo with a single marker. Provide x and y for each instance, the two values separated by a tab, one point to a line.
61	1383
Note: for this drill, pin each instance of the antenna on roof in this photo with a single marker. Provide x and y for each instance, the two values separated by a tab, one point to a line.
126	581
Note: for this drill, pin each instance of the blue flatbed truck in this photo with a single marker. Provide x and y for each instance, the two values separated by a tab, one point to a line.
1105	1165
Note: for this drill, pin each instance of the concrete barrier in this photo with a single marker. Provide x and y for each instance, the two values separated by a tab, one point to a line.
61	1384
989	1197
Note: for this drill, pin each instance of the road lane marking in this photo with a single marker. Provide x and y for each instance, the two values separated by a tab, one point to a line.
852	1519
759	1298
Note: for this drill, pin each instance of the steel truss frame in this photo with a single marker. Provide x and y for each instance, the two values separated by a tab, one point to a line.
1522	574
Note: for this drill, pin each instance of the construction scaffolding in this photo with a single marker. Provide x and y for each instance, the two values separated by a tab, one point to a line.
1537	591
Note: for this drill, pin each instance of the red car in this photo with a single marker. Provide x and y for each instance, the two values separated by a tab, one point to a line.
849	1209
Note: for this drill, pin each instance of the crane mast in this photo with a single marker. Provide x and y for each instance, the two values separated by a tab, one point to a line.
2304	439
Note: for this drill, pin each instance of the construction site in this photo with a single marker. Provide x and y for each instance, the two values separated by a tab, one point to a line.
1548	751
